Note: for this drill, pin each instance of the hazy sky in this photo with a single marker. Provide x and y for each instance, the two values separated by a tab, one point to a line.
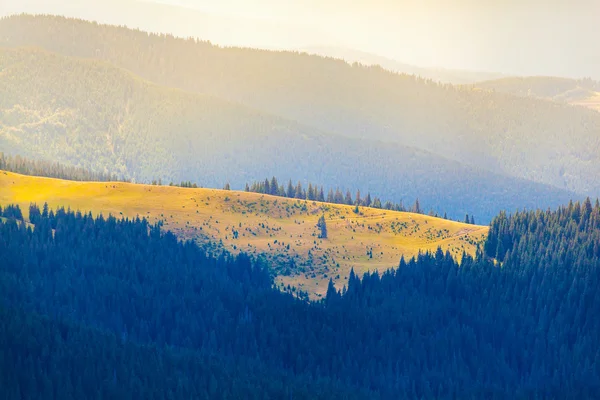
526	37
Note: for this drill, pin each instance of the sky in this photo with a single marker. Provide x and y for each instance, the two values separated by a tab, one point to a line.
526	37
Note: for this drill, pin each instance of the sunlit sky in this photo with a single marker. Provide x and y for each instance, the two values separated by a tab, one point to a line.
524	37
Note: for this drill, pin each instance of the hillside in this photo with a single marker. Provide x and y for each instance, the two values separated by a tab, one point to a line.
582	92
520	137
442	75
96	307
284	229
90	114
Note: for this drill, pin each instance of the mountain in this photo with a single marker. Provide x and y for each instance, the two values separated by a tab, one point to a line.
513	136
90	114
281	229
436	74
582	92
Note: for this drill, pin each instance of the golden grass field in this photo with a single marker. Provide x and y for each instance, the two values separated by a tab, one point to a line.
284	230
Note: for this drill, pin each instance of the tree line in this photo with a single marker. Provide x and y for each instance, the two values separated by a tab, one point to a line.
52	169
317	193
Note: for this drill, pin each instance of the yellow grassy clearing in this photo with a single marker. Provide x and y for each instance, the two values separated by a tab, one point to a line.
282	229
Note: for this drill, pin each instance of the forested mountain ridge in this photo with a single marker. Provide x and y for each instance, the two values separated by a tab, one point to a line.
282	230
523	137
77	289
441	75
87	113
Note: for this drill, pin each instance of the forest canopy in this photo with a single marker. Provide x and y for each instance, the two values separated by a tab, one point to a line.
106	287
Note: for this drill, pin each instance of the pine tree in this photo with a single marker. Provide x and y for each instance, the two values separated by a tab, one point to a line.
416	207
274	187
368	200
299	194
330	196
332	294
322	225
348	199
310	194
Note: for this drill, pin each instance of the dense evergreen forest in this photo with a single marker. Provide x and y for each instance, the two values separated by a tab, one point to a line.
50	169
516	136
102	307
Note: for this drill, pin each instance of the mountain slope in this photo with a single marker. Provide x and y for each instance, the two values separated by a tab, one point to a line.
90	114
436	74
521	137
283	229
582	92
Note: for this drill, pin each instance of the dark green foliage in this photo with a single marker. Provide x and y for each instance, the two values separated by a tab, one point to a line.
127	309
570	234
131	311
13	212
322	225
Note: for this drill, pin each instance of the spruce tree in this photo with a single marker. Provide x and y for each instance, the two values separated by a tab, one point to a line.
348	199
322	225
417	207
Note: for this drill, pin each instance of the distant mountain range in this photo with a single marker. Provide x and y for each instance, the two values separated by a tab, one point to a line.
154	106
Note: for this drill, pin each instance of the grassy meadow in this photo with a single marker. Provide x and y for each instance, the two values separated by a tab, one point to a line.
277	228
